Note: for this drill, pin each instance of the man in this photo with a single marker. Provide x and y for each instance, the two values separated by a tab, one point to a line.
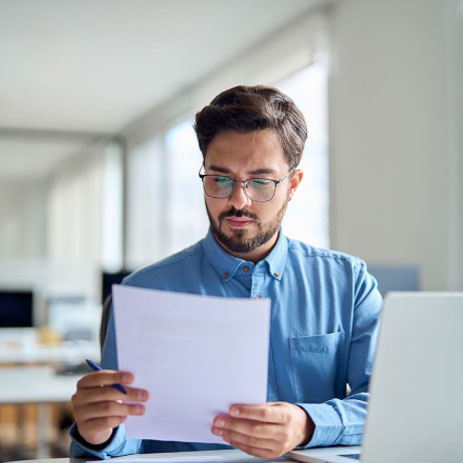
325	306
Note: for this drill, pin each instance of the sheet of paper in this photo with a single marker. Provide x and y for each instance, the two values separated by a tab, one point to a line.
196	355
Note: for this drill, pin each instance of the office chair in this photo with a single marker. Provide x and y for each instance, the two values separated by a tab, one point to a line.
105	319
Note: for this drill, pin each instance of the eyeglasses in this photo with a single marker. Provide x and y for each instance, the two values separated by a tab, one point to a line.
256	189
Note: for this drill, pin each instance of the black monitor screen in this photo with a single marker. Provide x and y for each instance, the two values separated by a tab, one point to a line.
110	279
16	308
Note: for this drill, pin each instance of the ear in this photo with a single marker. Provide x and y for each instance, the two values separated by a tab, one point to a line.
296	179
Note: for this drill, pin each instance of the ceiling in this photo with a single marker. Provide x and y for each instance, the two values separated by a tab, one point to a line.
96	65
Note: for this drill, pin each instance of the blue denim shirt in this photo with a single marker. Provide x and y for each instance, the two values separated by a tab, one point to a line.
324	325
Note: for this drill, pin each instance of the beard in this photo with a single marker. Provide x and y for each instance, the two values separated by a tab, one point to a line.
238	241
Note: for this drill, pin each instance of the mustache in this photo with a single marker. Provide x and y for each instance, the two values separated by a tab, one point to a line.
233	212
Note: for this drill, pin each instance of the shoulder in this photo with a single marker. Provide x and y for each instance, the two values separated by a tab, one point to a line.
312	253
327	263
328	268
171	266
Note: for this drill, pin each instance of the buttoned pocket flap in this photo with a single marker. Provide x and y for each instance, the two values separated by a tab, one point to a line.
316	366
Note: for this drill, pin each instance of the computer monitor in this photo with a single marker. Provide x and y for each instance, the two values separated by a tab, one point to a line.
109	279
395	277
16	308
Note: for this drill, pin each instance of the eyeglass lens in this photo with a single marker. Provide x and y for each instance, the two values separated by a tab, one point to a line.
222	187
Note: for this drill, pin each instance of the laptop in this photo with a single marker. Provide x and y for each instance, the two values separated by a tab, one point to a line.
415	411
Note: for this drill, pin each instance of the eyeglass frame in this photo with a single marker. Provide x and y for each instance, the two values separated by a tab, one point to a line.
243	183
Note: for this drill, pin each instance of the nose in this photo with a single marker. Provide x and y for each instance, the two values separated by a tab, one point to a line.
238	198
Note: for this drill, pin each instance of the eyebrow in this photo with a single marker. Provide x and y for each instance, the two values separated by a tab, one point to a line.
224	170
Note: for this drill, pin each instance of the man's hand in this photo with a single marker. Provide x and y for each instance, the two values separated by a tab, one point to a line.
99	408
266	431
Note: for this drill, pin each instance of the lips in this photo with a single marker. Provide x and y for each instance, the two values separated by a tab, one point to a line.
239	222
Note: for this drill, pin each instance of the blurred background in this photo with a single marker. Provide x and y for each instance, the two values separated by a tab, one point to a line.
99	162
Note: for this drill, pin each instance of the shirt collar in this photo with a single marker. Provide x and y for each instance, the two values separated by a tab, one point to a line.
276	260
227	265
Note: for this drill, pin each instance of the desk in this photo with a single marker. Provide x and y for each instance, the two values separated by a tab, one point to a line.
36	385
212	456
21	345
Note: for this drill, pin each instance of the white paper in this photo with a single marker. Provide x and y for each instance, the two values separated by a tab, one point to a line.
196	355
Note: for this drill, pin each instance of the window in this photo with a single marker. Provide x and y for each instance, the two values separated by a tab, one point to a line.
146	197
307	216
186	214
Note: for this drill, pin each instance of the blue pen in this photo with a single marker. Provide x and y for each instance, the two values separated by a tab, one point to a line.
96	367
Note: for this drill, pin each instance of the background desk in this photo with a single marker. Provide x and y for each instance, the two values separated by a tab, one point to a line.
22	345
22	383
37	385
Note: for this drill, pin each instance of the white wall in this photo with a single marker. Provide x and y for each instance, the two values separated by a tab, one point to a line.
396	169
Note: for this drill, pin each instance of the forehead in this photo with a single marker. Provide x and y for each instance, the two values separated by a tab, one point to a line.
246	152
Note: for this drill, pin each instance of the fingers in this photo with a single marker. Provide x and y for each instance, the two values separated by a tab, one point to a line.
107	410
273	412
97	424
257	446
252	428
239	440
256	451
266	431
98	407
104	378
105	393
230	435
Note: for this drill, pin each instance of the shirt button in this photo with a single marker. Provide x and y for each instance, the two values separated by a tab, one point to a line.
277	274
246	269
225	275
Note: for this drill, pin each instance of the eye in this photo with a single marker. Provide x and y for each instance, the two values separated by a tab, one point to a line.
259	182
222	180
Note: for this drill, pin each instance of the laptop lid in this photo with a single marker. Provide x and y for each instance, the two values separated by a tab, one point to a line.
415	413
415	410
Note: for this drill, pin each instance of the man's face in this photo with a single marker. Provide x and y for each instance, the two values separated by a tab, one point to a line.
244	227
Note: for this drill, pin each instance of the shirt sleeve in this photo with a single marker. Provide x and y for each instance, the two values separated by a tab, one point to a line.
341	421
118	444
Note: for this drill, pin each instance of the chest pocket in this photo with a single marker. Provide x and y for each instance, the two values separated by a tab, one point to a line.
317	366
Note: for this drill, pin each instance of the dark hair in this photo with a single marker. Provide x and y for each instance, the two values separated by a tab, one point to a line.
245	109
